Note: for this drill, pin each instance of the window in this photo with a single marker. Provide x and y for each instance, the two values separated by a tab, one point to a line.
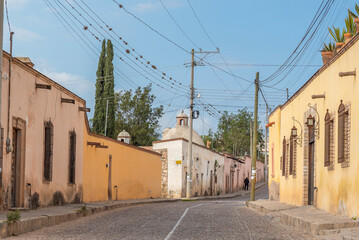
72	157
287	161
343	133
327	139
284	156
272	159
48	144
291	157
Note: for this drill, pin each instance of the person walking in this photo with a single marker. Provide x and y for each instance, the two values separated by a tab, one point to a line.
246	183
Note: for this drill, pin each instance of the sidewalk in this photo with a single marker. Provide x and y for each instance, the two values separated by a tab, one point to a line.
231	195
308	219
49	216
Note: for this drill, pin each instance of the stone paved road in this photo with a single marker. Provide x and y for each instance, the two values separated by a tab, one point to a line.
215	219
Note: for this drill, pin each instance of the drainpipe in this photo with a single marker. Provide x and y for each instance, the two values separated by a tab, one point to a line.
315	197
8	143
1	49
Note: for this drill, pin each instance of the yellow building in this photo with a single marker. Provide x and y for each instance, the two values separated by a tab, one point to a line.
312	155
116	170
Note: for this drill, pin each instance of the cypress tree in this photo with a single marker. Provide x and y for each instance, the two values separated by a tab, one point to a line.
109	91
98	125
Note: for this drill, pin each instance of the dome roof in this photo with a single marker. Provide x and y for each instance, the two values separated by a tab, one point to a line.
182	115
123	134
181	131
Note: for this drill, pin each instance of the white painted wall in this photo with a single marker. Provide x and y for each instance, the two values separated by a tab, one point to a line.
177	150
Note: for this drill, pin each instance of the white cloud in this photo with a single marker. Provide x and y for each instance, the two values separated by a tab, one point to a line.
73	82
12	4
147	7
151	6
22	34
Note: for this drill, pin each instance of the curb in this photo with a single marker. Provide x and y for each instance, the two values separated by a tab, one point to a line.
231	196
35	223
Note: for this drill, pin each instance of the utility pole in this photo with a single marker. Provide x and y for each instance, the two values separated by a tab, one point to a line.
254	145
189	159
250	138
1	60
287	93
1	48
106	118
266	147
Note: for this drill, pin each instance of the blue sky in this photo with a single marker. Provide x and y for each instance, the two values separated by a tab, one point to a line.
250	35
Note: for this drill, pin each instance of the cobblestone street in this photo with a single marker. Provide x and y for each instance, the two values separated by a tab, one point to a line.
216	219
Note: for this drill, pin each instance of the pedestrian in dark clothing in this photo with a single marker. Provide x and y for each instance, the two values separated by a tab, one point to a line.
246	183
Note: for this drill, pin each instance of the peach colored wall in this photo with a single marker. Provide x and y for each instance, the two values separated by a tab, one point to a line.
35	106
135	171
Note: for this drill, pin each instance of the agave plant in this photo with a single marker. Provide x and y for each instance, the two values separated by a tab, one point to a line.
328	47
354	15
337	35
349	24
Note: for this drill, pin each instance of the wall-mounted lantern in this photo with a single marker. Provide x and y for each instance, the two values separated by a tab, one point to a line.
311	122
294	133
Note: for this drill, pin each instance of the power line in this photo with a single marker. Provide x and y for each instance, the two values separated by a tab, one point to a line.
7	16
179	27
204	30
172	42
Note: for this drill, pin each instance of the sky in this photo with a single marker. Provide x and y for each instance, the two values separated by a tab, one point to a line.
252	36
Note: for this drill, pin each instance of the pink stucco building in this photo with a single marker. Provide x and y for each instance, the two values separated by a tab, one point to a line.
41	138
237	169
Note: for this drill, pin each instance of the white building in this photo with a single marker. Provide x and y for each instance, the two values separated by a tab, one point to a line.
208	165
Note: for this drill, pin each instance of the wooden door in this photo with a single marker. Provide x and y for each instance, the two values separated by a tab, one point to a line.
311	166
109	177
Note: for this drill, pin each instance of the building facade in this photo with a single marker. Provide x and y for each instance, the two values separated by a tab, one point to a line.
208	165
116	170
41	138
312	136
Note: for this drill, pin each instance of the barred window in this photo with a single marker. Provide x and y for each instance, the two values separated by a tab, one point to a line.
287	160
291	157
48	145
343	129
72	158
284	156
327	139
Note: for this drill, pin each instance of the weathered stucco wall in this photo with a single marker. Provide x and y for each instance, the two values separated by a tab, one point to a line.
34	106
135	171
338	185
203	164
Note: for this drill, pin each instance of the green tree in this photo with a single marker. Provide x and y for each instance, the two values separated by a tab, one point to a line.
136	115
109	91
100	106
233	131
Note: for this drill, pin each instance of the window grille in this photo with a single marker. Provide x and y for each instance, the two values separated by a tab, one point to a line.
48	144
284	156
72	158
291	157
342	116
327	140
